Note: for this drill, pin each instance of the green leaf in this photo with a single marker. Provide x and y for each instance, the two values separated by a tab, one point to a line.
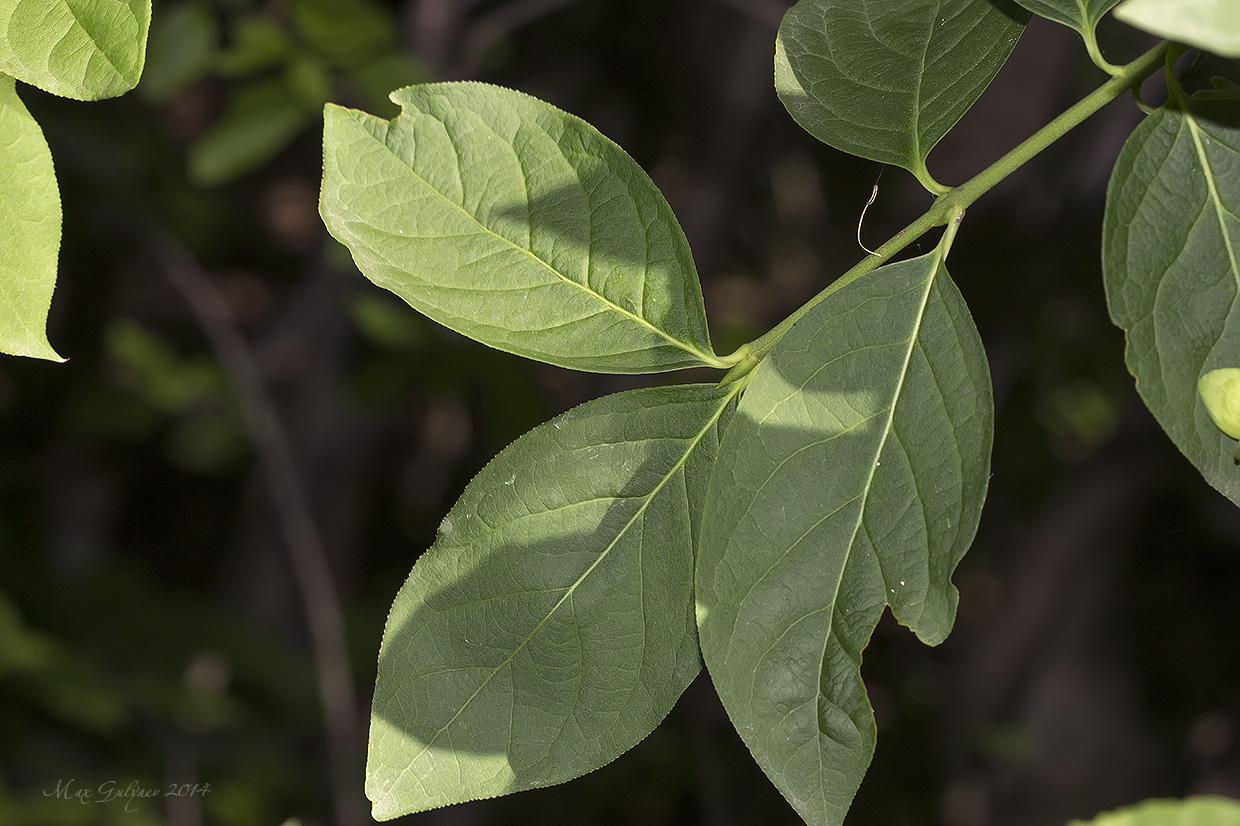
1213	25
260	121
550	628
518	225
851	477
1082	15
29	229
1192	811
1171	263
82	49
887	80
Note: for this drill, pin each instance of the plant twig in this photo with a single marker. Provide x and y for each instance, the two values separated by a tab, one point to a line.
948	205
307	555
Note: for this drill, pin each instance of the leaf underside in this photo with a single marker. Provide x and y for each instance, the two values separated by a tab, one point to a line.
81	49
518	225
887	79
1171	265
850	478
550	628
29	229
1082	15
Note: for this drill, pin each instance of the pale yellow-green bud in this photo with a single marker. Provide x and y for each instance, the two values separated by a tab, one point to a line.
1220	390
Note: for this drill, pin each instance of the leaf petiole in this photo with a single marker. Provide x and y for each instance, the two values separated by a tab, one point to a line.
951	204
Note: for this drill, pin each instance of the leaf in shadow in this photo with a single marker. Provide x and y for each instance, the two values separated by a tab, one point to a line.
850	478
550	628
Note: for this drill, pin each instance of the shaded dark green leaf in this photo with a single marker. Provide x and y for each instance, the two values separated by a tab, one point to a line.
886	81
1171	263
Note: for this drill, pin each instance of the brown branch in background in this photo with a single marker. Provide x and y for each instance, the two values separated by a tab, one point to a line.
307	554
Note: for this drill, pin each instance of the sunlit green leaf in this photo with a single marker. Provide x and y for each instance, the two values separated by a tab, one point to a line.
1171	262
850	478
550	628
1213	25
83	49
1192	811
29	229
886	80
518	225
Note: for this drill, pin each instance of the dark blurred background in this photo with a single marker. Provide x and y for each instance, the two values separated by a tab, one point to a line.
152	621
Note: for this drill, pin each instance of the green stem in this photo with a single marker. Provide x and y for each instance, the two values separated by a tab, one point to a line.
954	202
1095	54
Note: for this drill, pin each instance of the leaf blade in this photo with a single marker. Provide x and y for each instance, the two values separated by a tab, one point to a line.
1171	267
551	538
1082	15
1199	810
880	394
514	199
886	81
81	49
1213	25
29	229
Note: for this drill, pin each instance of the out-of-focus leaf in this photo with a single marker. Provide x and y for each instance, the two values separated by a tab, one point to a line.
346	31
1171	263
257	44
1213	25
310	82
388	322
550	628
261	120
82	49
184	37
887	80
850	478
29	230
376	78
518	225
1192	811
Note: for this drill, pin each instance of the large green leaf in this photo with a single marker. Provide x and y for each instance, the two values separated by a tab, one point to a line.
1213	25
550	628
850	478
1192	811
83	49
516	224
1171	263
29	229
886	80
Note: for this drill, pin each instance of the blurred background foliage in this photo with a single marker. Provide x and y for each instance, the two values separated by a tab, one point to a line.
151	628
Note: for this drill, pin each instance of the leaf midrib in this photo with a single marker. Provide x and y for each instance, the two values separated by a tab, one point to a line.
706	358
936	263
667	477
1207	172
98	48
